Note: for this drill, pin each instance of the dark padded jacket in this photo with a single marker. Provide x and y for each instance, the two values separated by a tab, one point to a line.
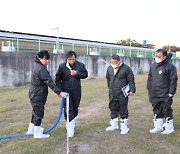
40	81
116	82
68	83
162	79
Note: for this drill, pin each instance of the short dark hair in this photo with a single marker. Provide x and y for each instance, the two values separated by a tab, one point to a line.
164	52
43	53
115	57
70	54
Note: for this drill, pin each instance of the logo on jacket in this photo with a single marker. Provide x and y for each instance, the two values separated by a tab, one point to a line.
160	72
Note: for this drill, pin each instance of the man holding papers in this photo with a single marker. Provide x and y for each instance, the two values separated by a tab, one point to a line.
120	81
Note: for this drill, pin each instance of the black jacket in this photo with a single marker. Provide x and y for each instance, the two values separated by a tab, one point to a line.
68	83
116	82
162	79
40	80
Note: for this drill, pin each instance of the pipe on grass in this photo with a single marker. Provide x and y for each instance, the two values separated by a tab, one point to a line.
45	131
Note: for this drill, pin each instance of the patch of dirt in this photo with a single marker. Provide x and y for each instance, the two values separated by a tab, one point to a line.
91	111
76	149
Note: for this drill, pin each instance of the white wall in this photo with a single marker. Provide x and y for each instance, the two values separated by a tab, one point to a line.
15	67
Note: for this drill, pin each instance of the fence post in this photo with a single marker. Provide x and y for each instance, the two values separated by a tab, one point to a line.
110	51
17	44
72	46
87	49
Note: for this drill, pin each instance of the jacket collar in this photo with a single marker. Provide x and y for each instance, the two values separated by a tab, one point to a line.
38	61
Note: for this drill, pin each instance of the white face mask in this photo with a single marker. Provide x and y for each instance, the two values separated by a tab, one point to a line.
158	60
114	65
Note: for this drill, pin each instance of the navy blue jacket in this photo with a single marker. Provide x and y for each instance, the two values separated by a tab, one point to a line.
68	83
162	79
116	82
40	81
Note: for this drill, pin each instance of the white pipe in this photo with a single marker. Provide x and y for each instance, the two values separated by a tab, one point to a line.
67	113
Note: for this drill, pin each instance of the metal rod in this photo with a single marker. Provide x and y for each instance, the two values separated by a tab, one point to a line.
67	113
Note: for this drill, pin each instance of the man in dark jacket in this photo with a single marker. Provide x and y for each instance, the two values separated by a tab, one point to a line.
40	81
161	85
67	79
120	81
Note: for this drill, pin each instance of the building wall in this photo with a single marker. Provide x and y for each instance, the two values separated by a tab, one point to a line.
16	67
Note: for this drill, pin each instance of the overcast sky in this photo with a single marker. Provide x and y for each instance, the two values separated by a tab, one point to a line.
156	21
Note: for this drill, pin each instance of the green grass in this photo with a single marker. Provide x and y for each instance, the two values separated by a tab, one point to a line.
93	118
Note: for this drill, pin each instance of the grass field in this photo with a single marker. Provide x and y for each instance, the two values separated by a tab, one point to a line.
93	118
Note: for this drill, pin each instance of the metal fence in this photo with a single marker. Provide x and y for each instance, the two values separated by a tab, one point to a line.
80	47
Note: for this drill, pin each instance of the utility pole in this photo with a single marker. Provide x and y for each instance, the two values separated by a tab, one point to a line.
57	40
130	46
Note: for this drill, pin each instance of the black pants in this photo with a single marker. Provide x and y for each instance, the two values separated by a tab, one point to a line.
119	106
73	107
162	107
37	112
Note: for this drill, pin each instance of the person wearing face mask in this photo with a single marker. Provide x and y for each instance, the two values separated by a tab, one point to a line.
161	85
118	76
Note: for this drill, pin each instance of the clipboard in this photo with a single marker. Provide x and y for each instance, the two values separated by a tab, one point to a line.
126	90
